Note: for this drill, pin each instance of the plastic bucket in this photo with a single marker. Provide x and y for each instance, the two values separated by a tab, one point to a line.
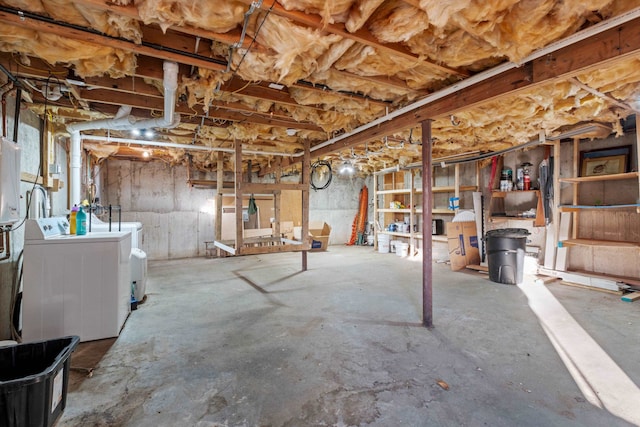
370	239
505	251
393	244
383	243
402	249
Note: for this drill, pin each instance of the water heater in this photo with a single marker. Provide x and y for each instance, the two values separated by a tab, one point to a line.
9	182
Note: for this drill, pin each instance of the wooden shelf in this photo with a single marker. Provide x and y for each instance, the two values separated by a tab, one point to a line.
532	199
449	189
598	178
598	243
395	233
398	191
395	210
577	208
505	193
441	211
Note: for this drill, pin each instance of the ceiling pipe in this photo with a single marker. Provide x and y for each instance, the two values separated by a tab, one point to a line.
123	121
492	72
177	145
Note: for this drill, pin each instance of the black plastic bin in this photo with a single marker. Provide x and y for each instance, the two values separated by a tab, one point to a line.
505	253
33	381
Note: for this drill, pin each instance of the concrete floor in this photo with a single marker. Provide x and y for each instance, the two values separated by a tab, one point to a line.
252	341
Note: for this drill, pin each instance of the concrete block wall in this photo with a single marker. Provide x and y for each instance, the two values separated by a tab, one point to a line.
338	205
177	218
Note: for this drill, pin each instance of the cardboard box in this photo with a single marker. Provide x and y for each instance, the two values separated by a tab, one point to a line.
318	235
462	239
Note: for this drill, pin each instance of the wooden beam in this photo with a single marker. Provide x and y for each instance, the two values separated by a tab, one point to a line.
258	187
596	52
85	35
235	112
131	11
306	177
237	165
361	36
219	193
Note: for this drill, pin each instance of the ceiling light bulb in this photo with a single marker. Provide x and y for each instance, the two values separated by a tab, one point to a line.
135	132
148	133
346	169
146	154
291	132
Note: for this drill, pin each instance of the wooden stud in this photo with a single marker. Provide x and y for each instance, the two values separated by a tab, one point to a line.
306	167
219	192
239	194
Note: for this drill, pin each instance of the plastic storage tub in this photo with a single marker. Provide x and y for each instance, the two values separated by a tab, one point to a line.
505	251
33	382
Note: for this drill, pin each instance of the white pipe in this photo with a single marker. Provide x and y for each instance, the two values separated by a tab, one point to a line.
477	78
176	145
76	161
123	121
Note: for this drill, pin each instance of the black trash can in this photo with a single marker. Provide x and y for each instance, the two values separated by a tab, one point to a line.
33	382
505	253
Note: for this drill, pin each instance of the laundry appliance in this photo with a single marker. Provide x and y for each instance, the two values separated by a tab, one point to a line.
74	285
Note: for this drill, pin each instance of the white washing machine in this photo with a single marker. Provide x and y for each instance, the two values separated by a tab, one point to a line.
74	285
134	227
138	256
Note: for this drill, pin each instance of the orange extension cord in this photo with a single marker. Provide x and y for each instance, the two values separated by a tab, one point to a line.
360	221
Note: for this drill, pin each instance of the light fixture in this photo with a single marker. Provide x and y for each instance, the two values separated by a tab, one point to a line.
346	168
291	132
148	133
276	86
135	132
146	154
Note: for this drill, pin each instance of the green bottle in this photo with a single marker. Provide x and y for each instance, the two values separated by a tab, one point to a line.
81	222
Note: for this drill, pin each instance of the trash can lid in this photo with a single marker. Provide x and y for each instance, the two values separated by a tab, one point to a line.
508	232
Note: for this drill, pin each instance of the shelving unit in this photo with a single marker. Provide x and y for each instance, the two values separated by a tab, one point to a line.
401	186
605	220
511	205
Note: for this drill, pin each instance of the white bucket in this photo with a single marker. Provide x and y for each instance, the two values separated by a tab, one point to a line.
370	239
383	243
393	245
402	249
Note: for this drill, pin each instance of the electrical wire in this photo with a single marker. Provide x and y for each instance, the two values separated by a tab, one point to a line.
314	167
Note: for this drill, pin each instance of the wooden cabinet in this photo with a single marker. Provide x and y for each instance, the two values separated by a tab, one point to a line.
524	205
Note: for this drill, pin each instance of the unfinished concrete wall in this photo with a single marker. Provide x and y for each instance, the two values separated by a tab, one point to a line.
29	131
177	219
338	205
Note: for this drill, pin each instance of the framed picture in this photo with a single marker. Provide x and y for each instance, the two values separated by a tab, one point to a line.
605	162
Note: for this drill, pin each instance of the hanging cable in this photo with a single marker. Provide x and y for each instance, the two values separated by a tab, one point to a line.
321	171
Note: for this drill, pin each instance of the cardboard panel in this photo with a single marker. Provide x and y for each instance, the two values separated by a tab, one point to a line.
463	244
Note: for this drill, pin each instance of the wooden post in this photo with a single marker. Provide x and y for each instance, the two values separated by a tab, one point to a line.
306	165
456	183
238	188
376	180
277	198
574	186
638	155
427	240
219	189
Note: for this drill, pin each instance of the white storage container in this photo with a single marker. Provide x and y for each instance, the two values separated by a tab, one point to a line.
139	272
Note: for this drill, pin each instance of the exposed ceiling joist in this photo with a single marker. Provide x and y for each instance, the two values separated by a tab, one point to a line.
360	36
599	51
